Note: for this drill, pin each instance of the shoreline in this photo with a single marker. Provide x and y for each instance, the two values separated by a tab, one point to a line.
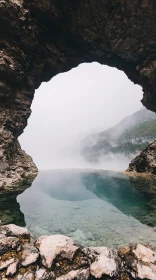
58	257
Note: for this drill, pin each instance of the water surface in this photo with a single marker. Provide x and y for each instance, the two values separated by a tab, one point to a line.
95	208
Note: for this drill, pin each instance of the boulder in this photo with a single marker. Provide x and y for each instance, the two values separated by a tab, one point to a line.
105	261
52	246
13	230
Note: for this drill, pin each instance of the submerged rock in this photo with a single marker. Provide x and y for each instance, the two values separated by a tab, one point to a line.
79	236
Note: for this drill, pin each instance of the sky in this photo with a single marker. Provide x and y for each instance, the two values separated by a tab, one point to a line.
73	105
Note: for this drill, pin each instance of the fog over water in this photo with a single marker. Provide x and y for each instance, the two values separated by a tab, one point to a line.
87	99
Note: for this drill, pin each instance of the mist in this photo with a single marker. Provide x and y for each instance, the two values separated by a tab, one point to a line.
73	105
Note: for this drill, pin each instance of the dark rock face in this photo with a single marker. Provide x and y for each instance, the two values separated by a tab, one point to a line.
10	211
42	38
146	161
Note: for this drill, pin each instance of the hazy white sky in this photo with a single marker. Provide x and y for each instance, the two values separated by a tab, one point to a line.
89	98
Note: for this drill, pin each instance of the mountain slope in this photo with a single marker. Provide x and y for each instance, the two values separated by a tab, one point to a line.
129	137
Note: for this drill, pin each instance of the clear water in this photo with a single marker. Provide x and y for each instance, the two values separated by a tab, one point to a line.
95	208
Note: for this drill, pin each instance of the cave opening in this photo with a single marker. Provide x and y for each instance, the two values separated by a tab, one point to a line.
88	99
70	196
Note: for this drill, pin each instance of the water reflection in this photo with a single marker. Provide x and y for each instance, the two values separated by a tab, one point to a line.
134	196
10	209
64	185
95	208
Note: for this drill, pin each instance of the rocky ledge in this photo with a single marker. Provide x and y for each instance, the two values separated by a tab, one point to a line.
58	257
145	162
19	172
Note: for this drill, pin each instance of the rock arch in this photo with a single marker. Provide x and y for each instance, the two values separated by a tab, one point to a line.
42	38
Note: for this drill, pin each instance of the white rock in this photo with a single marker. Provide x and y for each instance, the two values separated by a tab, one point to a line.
145	254
146	266
6	263
26	276
75	274
29	259
13	230
12	268
54	245
146	272
42	274
19	277
105	262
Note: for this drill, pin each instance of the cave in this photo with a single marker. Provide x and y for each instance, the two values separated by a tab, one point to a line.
42	39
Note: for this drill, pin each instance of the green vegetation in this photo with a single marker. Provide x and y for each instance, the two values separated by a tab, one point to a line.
129	137
147	128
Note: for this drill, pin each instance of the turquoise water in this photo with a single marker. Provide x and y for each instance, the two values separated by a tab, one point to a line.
95	208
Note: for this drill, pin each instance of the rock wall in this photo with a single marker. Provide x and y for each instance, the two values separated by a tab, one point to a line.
57	257
145	162
42	38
